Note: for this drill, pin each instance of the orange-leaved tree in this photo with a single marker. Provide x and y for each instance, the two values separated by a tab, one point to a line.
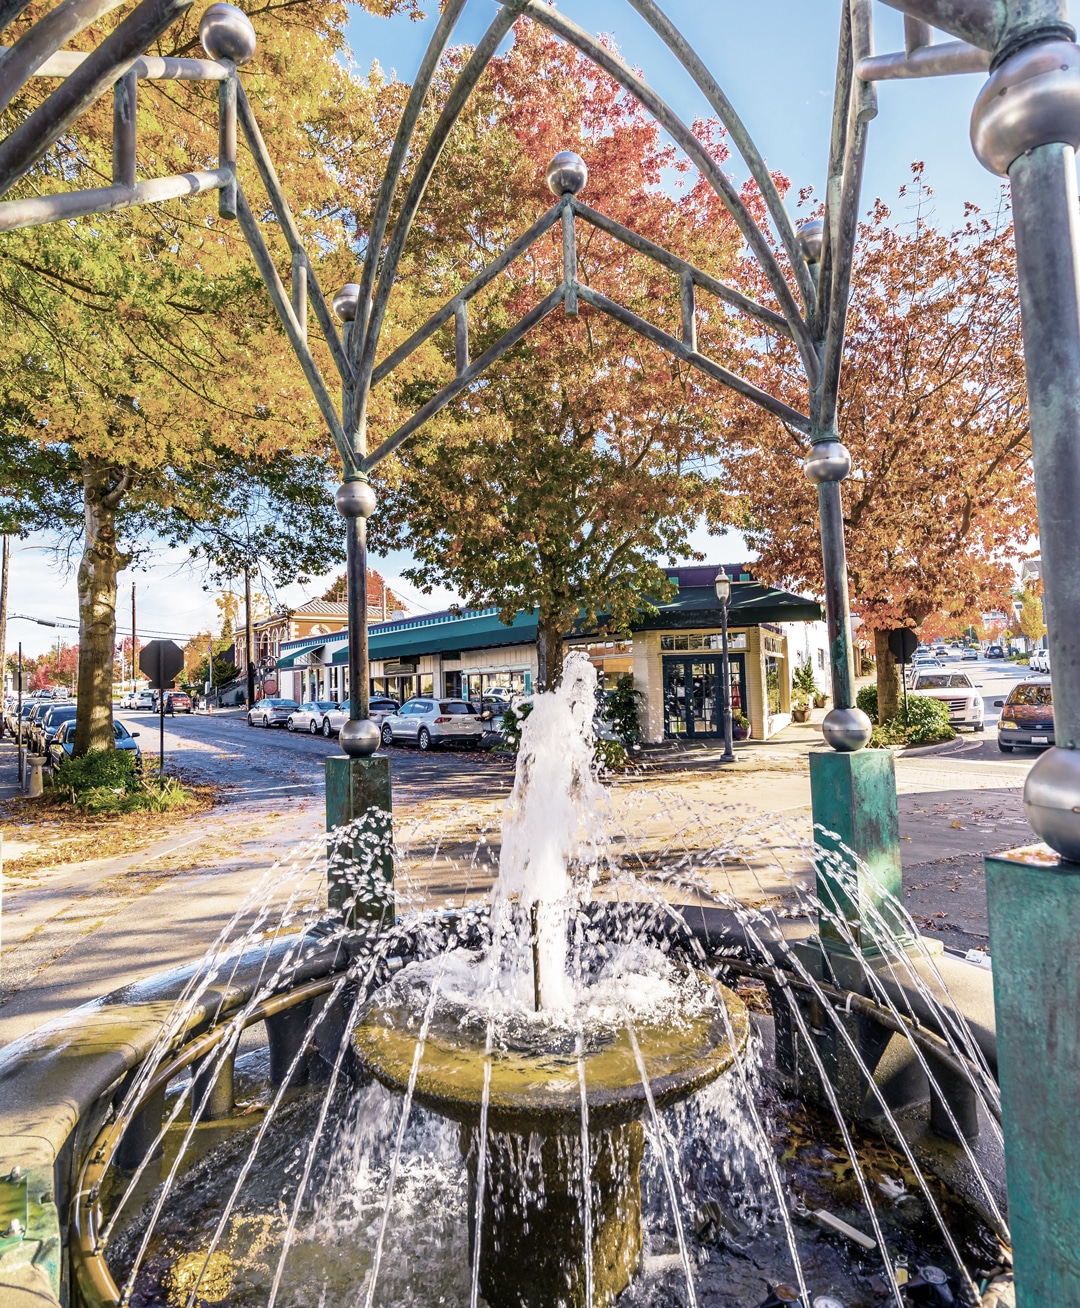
560	479
933	410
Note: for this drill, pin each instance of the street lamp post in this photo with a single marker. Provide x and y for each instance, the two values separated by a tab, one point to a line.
722	586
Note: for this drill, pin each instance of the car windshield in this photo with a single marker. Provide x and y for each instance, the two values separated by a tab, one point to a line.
944	681
1035	696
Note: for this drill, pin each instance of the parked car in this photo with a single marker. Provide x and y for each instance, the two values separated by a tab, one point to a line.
431	722
1027	716
271	712
958	692
13	720
309	716
995	652
128	698
969	655
381	706
1039	661
939	649
64	741
178	701
49	723
145	699
31	723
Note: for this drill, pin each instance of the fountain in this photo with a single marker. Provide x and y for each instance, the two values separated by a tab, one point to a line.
532	1051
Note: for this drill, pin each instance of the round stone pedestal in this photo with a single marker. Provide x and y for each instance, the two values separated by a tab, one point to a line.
533	1233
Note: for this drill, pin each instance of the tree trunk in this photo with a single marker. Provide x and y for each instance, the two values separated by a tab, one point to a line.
888	678
103	489
549	652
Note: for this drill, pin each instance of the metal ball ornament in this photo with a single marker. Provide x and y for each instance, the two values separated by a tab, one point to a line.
811	237
1032	99
847	729
827	461
567	173
346	301
1052	801
226	33
355	499
360	737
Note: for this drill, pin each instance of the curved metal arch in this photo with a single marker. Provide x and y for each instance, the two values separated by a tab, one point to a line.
459	96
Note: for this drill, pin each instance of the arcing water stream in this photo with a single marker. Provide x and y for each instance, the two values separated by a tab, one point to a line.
550	1099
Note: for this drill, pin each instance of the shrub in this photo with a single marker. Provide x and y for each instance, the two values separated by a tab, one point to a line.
866	699
511	725
803	681
609	754
928	723
621	709
108	781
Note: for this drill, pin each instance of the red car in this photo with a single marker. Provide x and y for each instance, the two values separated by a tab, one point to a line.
177	702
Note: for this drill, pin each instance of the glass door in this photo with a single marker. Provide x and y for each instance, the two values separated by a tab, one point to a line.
693	703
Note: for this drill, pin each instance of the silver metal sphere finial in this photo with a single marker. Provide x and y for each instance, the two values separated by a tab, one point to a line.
355	499
847	729
226	33
567	173
346	301
827	461
1032	99
811	236
359	737
1050	793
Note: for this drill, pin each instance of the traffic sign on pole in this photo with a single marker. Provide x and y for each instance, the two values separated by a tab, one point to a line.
161	660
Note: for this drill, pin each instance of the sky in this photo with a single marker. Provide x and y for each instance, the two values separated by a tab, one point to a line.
775	60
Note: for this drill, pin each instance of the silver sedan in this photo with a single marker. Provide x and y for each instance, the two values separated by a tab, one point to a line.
310	716
431	722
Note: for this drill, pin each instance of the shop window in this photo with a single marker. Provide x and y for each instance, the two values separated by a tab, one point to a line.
702	640
772	684
427	684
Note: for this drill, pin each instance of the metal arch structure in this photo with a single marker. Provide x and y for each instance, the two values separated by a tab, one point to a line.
809	280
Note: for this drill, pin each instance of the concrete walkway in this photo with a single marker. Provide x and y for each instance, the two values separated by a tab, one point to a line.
75	931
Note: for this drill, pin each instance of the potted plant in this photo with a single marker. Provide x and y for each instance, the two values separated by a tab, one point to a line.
820	699
740	725
800	707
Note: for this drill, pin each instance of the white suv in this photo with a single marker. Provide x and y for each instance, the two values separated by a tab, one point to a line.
958	691
432	722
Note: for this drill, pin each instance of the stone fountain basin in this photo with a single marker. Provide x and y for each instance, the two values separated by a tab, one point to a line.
535	1087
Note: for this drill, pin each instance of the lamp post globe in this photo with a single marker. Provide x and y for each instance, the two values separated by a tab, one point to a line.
722	586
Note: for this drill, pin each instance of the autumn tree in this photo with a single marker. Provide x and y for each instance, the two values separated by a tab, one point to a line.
145	387
933	410
558	481
1031	615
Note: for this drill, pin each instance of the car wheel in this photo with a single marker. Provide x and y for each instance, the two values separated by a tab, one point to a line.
313	727
387	734
980	726
424	739
266	721
290	725
327	729
1005	749
250	722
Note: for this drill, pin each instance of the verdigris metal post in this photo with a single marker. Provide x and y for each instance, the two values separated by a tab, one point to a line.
360	867
722	586
1026	126
853	790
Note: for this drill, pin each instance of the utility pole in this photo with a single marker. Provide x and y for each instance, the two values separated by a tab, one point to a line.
5	558
134	641
250	638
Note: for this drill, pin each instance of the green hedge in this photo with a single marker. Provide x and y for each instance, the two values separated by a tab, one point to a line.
108	781
866	699
928	723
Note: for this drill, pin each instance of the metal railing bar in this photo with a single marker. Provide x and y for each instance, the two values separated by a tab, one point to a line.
270	180
147	67
440	38
715	370
19	63
663	256
926	61
505	342
685	138
10	10
845	65
96	75
459	95
978	21
107	199
283	305
482	279
740	137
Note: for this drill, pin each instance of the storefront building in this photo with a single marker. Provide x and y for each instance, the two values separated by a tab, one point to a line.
673	655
